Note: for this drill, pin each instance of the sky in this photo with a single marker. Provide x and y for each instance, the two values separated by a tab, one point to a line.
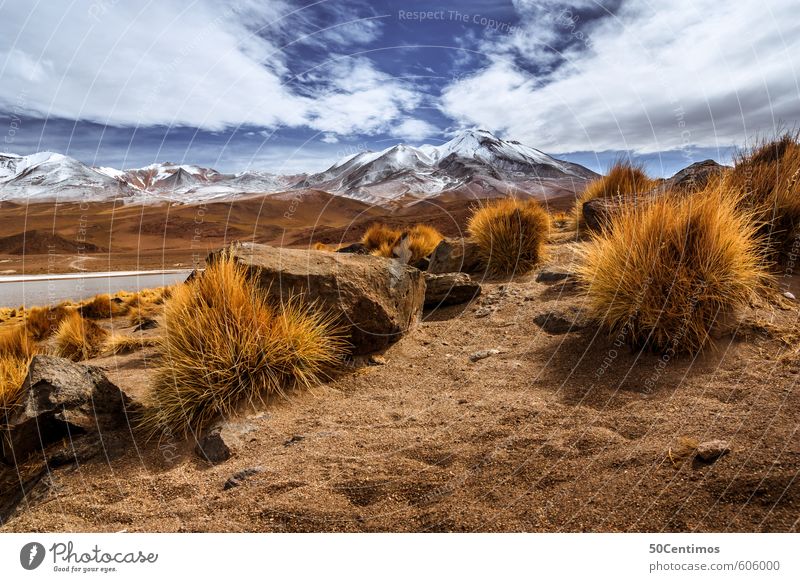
291	86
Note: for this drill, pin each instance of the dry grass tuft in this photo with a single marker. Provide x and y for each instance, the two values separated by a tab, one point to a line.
321	246
17	347
225	345
624	180
381	236
142	314
121	343
422	240
664	275
511	234
42	322
103	307
769	176
78	338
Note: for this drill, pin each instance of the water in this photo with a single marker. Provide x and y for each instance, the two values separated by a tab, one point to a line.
16	290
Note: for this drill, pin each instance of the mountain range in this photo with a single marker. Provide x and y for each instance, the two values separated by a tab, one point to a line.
474	162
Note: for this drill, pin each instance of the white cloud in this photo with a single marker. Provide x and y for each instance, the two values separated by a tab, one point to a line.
655	77
329	138
414	130
195	64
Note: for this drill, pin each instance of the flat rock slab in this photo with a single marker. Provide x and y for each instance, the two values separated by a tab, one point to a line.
377	299
454	255
449	289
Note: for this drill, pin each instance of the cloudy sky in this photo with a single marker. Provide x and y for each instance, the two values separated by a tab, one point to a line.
292	85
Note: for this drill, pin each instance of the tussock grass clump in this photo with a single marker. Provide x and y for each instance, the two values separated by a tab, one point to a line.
663	275
78	338
17	347
142	314
510	234
103	307
422	240
769	176
380	236
121	343
624	180
42	322
226	345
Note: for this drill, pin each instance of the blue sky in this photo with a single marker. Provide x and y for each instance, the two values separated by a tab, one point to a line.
291	86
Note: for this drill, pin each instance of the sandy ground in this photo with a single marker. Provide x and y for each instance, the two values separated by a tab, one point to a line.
554	433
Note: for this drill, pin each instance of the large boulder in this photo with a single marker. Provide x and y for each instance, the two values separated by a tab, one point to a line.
378	299
449	289
61	399
456	255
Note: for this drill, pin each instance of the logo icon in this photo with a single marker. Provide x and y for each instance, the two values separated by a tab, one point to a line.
31	555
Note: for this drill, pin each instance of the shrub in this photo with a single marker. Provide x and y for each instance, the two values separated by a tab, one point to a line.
769	176
665	274
103	307
226	345
78	338
422	240
17	347
143	314
625	179
510	234
42	322
380	236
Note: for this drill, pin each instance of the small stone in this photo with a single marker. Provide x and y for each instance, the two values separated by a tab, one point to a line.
789	295
710	451
295	439
377	361
483	354
241	476
221	440
483	312
553	276
461	401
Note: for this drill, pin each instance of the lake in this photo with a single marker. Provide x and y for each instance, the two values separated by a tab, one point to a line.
31	290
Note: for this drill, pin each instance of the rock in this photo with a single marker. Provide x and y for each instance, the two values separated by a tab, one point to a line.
696	176
222	440
558	322
354	249
62	399
449	289
710	451
456	255
789	295
377	299
375	360
296	438
483	311
554	276
483	354
147	323
241	476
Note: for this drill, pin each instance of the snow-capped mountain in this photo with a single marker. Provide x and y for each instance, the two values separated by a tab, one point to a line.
472	158
474	161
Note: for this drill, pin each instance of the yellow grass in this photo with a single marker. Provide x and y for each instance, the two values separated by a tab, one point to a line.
422	239
42	322
510	234
664	275
122	343
225	345
78	338
103	307
17	347
624	180
380	236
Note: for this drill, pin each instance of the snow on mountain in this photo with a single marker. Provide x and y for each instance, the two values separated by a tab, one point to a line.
474	160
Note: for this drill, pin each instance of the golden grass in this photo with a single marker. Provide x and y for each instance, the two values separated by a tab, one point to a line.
379	236
42	322
103	307
321	246
624	180
17	347
140	314
664	275
78	338
769	176
122	343
422	240
510	234
225	345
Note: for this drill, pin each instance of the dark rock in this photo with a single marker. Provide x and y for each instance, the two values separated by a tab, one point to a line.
354	249
710	451
449	289
241	476
554	276
222	440
377	299
559	322
147	323
696	176
456	255
295	439
62	399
